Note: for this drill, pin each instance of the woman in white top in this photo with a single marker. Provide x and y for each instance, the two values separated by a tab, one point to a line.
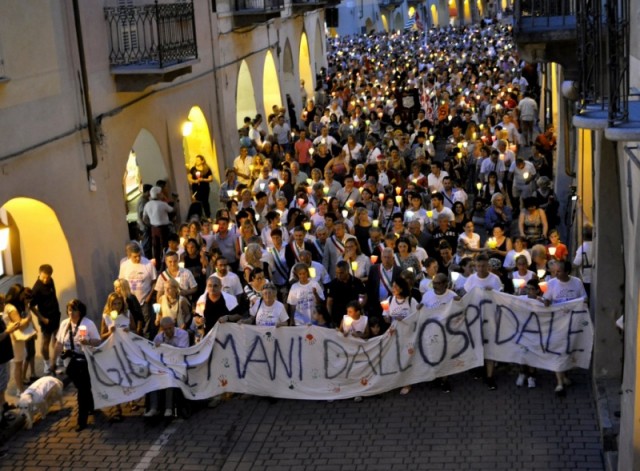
303	296
359	263
400	306
519	248
75	332
521	276
116	315
268	312
174	306
469	242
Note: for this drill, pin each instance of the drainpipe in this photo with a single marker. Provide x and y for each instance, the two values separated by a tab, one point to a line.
91	125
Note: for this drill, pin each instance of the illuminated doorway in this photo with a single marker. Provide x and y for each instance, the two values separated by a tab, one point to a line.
434	16
271	85
467	11
304	64
385	23
36	238
144	165
196	140
245	95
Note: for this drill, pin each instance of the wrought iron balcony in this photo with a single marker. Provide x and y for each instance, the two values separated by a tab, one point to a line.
154	42
250	12
545	31
302	6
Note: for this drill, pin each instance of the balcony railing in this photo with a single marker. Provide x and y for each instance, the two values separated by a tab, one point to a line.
618	19
158	36
251	6
545	14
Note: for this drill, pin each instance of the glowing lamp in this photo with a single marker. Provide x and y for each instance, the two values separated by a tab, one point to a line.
187	128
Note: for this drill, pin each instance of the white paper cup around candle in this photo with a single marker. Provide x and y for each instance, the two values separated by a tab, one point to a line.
552	251
454	276
374	259
518	283
354	266
398	199
375	223
385	305
82	331
156	308
429	214
307	226
180	264
113	314
312	272
345	213
381	196
543	286
541	273
198	174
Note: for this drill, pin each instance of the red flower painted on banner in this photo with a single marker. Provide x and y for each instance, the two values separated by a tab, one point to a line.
411	350
335	389
310	339
223	381
364	381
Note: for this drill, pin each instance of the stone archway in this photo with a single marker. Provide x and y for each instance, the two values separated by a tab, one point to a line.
245	95
304	64
41	240
271	94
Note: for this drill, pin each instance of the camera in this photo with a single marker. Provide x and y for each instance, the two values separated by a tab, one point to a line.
66	354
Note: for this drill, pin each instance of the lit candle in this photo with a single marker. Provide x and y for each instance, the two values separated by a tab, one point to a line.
552	251
82	331
375	223
113	314
429	214
345	213
399	199
479	186
381	196
525	175
543	286
309	181
454	276
374	259
492	243
307	226
541	272
398	190
312	211
325	190
180	264
518	283
354	266
312	272
385	305
198	174
156	308
350	203
215	227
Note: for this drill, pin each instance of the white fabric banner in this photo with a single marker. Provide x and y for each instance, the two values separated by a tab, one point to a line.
320	364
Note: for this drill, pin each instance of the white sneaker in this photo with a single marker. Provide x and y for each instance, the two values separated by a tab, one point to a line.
150	413
47	370
168	412
520	380
531	382
559	389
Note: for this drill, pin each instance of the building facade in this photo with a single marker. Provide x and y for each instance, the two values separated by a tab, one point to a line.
99	97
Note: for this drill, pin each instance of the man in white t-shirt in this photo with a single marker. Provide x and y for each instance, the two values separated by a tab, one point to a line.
440	294
230	281
484	279
562	288
140	273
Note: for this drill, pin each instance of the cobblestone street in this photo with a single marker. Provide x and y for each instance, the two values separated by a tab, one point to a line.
471	428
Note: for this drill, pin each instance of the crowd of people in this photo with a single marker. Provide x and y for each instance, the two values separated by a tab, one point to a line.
417	171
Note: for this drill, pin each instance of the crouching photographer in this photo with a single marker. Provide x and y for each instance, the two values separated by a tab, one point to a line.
74	332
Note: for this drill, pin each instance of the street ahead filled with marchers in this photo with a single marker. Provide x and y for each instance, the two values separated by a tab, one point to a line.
382	286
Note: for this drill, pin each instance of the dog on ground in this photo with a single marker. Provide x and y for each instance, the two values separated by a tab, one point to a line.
39	397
